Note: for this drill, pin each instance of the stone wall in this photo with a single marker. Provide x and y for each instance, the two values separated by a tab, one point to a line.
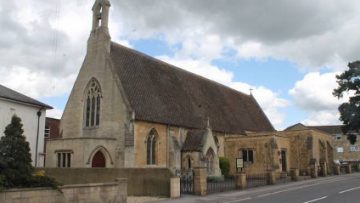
302	147
350	153
141	181
168	146
115	115
266	152
114	192
142	130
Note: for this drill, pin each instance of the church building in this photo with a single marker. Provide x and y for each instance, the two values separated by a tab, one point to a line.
128	109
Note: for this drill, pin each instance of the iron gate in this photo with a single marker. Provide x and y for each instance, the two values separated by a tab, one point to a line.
187	182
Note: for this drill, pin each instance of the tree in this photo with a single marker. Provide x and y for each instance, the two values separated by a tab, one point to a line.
224	166
349	82
15	161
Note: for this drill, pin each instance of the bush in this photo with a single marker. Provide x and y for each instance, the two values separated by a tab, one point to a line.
215	179
224	166
43	181
2	183
15	160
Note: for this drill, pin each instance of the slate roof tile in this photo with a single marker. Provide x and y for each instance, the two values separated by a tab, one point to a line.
162	93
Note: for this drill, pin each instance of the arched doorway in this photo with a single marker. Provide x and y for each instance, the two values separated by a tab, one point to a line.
99	160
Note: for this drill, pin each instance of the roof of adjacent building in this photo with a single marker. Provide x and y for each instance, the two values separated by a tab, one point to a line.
331	129
194	141
162	93
10	94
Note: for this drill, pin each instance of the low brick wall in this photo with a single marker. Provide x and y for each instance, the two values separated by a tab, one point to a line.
141	181
115	192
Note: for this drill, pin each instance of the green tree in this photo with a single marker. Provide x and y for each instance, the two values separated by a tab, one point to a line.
224	166
15	161
349	82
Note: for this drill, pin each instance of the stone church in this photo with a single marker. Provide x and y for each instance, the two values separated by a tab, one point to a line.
128	109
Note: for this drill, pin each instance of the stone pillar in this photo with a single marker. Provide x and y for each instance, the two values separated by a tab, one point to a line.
337	170
294	173
313	171
323	168
241	182
175	187
348	168
271	178
122	192
200	181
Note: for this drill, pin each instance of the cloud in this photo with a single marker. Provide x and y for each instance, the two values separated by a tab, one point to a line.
311	34
313	94
54	113
43	43
34	83
272	104
330	117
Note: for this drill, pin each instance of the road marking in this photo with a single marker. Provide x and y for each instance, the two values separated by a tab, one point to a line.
317	199
297	188
239	200
348	190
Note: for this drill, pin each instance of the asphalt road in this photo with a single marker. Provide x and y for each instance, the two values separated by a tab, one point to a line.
333	189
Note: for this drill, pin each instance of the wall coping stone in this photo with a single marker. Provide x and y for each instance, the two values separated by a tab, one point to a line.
82	138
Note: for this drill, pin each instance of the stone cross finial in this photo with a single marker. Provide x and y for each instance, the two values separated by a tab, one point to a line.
251	89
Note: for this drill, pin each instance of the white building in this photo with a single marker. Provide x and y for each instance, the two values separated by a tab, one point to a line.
32	114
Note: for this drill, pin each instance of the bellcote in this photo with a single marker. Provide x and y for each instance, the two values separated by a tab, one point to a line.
100	14
100	38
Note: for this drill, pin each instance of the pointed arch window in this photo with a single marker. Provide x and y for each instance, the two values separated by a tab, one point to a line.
151	147
93	104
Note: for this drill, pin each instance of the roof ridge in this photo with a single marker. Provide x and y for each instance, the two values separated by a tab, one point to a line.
178	68
32	101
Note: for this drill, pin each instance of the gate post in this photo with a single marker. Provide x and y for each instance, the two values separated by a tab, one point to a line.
271	178
313	171
323	168
241	182
294	173
175	187
348	168
337	170
200	181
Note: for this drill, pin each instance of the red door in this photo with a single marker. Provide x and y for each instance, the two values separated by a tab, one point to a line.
98	160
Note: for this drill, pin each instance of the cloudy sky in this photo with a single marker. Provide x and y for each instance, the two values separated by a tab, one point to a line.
287	51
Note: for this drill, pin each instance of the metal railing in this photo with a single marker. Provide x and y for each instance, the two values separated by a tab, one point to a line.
214	186
256	180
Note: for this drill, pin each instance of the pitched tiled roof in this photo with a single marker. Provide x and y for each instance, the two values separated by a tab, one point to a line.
194	141
10	94
331	129
162	93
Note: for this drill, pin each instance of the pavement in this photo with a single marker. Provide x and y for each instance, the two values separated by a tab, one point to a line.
331	189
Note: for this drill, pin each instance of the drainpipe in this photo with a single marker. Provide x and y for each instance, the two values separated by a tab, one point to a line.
37	137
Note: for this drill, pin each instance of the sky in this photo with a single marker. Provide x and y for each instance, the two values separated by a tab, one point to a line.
288	52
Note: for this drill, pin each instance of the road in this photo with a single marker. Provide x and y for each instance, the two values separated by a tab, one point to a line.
333	189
